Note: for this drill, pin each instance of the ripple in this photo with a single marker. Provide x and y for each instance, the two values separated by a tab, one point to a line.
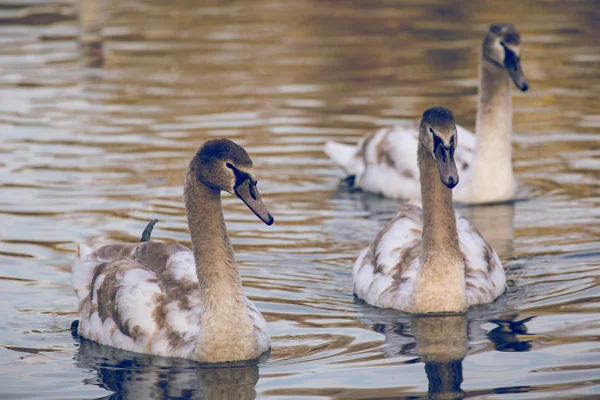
92	151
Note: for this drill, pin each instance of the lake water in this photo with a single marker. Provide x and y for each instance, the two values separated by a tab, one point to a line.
95	139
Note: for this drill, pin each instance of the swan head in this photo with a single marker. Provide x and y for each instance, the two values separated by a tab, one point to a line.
223	165
437	133
502	46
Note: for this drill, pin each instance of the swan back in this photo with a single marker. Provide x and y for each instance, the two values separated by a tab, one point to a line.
145	297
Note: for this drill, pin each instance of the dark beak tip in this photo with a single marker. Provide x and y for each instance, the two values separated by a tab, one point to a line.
451	182
524	86
269	220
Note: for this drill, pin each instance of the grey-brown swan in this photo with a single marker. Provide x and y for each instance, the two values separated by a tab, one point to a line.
384	161
168	300
429	259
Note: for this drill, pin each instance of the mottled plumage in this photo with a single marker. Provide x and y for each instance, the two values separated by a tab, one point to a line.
144	297
428	259
385	162
385	272
168	300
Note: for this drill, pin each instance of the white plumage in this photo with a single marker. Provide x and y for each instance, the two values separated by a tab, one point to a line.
429	259
144	297
386	272
385	162
168	300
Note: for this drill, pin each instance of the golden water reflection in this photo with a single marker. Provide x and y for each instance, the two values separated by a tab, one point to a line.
103	102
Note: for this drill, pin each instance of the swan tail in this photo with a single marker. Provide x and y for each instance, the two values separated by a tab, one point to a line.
82	271
343	156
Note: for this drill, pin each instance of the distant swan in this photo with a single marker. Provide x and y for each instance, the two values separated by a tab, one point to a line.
430	259
166	300
384	161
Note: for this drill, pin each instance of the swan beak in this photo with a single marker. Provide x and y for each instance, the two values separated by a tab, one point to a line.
249	194
513	66
446	166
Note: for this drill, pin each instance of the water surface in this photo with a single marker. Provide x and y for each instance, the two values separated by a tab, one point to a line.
96	129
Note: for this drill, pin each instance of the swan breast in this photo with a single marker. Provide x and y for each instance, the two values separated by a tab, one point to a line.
385	273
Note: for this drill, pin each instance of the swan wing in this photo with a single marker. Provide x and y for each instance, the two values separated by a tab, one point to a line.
385	161
260	327
141	297
385	272
484	275
144	297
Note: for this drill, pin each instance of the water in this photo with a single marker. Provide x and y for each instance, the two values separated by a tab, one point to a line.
94	142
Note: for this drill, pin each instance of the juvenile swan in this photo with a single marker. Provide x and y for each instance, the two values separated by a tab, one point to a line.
430	259
384	161
166	300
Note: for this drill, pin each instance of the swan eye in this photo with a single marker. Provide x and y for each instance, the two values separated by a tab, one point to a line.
229	165
431	130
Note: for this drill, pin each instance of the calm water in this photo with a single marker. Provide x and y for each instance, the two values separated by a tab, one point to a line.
91	149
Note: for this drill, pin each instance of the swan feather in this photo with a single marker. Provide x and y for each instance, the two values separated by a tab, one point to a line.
385	162
144	297
385	273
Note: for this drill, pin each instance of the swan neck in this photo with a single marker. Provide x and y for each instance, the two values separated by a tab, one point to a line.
226	332
492	177
439	222
213	252
440	285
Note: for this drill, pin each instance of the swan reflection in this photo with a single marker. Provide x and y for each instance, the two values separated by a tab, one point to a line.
92	15
442	342
141	376
509	332
496	224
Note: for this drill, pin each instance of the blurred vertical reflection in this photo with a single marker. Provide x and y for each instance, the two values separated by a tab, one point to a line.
142	376
496	224
507	335
91	155
442	344
92	17
440	341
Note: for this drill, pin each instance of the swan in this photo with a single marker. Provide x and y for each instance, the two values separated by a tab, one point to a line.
167	300
430	259
384	161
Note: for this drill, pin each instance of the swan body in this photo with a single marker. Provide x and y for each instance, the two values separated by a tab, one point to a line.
384	161
386	272
168	300
145	306
430	259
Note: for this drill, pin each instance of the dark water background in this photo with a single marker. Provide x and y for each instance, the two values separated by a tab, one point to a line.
91	149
